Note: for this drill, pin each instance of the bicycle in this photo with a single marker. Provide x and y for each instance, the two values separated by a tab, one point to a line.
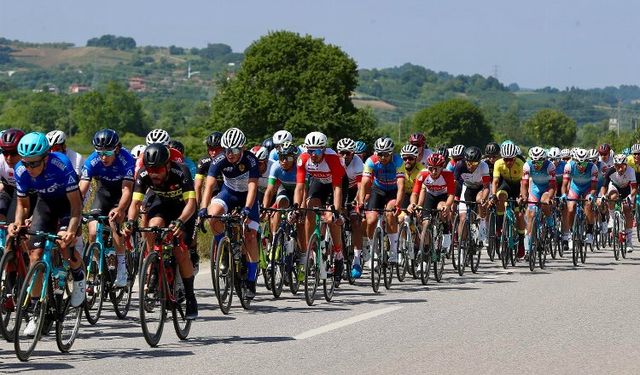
619	233
469	248
578	250
556	229
13	271
492	238
432	228
540	238
100	258
161	287
348	253
283	248
407	237
52	305
381	268
264	250
509	236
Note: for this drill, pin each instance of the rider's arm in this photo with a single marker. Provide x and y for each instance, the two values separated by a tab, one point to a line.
84	187
198	187
127	192
252	192
75	202
188	210
365	187
494	185
268	195
400	194
23	206
207	194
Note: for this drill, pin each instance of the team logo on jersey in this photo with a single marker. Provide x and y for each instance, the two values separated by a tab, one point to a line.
241	167
299	162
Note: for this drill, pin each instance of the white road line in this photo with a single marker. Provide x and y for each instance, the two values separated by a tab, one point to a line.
345	322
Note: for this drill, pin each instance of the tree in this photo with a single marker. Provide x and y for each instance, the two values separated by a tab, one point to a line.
294	82
113	42
549	127
455	121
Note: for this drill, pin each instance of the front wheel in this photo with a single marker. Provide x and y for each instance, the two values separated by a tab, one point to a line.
152	299
95	284
121	298
181	325
10	285
329	283
276	264
311	271
24	344
425	252
404	241
68	320
223	275
376	260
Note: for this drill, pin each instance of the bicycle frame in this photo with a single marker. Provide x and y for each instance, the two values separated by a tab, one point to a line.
47	258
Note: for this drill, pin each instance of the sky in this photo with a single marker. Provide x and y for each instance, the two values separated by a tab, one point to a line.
535	44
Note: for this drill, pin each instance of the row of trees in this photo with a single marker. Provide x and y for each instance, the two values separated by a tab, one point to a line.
114	42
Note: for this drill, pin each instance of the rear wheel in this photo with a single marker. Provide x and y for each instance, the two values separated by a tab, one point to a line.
121	298
455	237
10	285
223	275
464	239
152	299
311	271
423	257
347	245
387	267
95	284
329	284
491	236
68	321
438	255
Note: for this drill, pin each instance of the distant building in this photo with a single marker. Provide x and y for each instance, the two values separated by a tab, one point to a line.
137	84
76	88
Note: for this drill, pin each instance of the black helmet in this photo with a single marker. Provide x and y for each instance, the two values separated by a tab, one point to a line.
268	144
106	139
213	140
174	143
472	154
443	150
492	149
155	155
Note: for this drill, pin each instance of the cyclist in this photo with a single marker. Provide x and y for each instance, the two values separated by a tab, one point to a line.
202	170
188	162
137	151
411	170
264	167
420	141
606	157
239	171
472	184
456	154
113	168
558	163
9	141
354	168
361	150
565	155
491	155
282	181
383	178
173	206
268	144
58	143
580	181
279	137
620	183
58	208
538	185
326	171
507	176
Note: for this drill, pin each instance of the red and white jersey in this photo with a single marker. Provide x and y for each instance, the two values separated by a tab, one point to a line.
329	171
444	184
174	155
7	175
354	171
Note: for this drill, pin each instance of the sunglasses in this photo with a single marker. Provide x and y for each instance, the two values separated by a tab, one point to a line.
9	153
233	150
384	154
434	169
345	153
315	151
472	163
156	170
508	159
285	157
32	164
408	158
105	152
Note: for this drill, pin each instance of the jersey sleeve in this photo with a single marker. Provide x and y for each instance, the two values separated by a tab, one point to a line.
497	167
188	190
594	173
486	179
273	174
337	169
451	183
367	169
86	173
254	169
417	184
70	177
301	168
129	169
215	169
526	171
140	186
567	172
202	169
22	180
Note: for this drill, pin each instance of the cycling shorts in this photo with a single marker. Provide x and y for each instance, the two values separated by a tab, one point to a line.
431	201
105	200
50	216
230	200
379	198
622	192
318	190
468	194
169	211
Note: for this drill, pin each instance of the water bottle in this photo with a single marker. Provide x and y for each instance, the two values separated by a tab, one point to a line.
60	281
290	246
112	261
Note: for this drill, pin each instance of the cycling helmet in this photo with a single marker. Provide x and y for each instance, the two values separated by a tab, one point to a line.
409	150
593	155
260	152
213	140
581	155
537	153
10	139
137	150
457	151
604	149
361	147
155	155
619	159
443	150
346	144
177	145
105	139
282	136
418	139
288	148
626	151
158	136
33	144
315	140
635	149
383	144
472	154
565	153
492	149
56	137
233	138
508	150
268	144
554	153
507	142
436	160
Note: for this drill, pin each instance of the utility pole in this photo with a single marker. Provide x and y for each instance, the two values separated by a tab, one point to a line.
619	115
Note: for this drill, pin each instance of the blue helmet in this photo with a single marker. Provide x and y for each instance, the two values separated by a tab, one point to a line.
360	147
627	151
33	144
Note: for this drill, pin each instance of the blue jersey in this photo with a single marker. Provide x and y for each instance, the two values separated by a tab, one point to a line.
384	176
111	177
236	176
580	181
560	169
56	180
280	177
191	165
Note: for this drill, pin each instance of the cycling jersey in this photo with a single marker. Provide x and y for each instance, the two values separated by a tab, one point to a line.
7	175
235	176
354	171
560	169
473	180
191	165
511	175
410	177
174	156
444	184
608	163
451	165
384	176
632	163
540	178
580	182
56	180
279	177
177	186
620	181
76	160
490	165
329	171
263	180
110	177
202	169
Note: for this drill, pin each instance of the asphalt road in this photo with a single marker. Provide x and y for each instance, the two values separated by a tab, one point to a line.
561	320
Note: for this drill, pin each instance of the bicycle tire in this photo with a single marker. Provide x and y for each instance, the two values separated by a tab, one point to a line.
387	267
181	325
311	271
329	283
152	299
616	242
544	247
504	249
403	253
294	284
95	284
474	256
491	236
623	243
376	260
534	247
637	219
276	260
25	345
347	246
69	317
513	249
9	292
223	275
462	247
423	256
264	251
452	248
575	251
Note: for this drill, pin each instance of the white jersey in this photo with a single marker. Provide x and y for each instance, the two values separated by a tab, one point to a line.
263	180
7	175
354	171
76	160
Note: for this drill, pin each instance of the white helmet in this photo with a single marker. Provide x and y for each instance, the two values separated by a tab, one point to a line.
282	136
565	153
233	138
554	153
137	150
457	151
158	136
409	150
619	159
56	137
383	144
260	152
346	144
635	149
508	150
537	153
580	154
593	155
315	140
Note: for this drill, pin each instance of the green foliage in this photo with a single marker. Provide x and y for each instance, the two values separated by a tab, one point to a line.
451	122
113	42
35	112
551	127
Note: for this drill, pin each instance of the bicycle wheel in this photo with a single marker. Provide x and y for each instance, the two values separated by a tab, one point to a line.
28	309
474	256
121	298
387	267
240	283
152	299
513	244
616	242
223	275
534	247
68	317
454	237
504	249
424	253
543	248
10	284
575	249
181	325
294	284
95	284
554	240
404	242
347	246
276	262
622	236
637	220
264	251
329	284
491	236
438	257
311	271
464	238
376	259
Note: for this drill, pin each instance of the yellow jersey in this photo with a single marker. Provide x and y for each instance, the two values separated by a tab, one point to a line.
511	175
410	178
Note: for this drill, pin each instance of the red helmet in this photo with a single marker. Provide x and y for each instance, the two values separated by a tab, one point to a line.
604	149
417	139
10	139
436	160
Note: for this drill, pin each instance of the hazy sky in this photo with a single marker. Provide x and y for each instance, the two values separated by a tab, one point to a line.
537	43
